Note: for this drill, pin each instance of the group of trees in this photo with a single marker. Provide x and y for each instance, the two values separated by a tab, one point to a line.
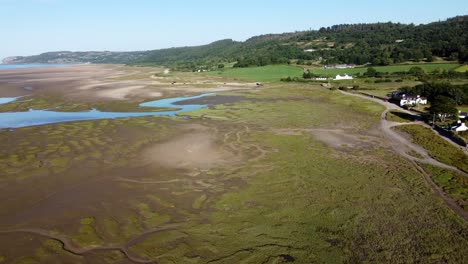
377	44
387	43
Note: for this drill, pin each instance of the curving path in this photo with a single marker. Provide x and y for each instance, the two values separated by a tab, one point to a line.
400	143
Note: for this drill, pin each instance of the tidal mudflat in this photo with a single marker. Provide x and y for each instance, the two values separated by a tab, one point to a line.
273	174
43	117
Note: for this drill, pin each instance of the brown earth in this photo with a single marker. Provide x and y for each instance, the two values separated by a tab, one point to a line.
197	148
91	83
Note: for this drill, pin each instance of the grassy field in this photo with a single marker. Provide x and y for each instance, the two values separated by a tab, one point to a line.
261	74
276	72
393	68
462	68
438	148
311	181
453	184
398	116
378	89
463	108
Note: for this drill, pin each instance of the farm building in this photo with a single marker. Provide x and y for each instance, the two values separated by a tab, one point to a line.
412	100
459	127
343	77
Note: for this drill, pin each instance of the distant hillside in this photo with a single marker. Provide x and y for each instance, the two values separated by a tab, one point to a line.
211	54
78	57
377	44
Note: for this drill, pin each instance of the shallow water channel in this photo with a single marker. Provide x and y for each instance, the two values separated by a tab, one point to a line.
43	117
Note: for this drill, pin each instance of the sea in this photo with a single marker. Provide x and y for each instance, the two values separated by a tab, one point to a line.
27	66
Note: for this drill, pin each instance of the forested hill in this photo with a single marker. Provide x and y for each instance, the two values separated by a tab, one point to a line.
378	44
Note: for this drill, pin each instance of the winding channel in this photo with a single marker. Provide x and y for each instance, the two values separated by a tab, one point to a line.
43	117
70	247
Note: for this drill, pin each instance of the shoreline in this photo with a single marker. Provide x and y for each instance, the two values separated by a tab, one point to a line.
8	66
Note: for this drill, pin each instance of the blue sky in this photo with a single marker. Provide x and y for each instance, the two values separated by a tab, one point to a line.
34	26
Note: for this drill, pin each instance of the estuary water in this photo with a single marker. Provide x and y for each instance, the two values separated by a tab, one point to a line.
26	66
42	117
6	100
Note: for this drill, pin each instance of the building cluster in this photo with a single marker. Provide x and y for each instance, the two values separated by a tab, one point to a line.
460	125
338	77
339	66
408	99
411	100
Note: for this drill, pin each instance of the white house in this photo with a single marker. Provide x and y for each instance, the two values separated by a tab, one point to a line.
412	100
344	66
340	77
320	78
460	127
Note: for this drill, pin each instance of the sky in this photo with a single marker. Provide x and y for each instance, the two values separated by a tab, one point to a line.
30	27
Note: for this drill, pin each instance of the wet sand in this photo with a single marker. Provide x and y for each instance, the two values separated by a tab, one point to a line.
91	83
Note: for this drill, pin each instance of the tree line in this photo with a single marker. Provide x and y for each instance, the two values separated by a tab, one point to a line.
376	44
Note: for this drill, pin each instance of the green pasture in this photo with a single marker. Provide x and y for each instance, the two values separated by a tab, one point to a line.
462	68
261	74
392	68
438	148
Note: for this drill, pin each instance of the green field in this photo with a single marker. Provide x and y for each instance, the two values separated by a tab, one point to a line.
261	74
378	89
463	108
397	116
437	147
393	68
463	68
453	184
276	72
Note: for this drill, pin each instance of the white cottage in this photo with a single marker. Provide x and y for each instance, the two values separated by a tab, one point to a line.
459	127
340	77
412	100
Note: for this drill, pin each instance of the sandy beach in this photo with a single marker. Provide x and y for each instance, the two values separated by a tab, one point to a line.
92	83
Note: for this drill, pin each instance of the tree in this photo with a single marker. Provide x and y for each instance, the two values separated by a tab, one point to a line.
418	55
429	58
308	75
371	72
443	106
220	66
417	71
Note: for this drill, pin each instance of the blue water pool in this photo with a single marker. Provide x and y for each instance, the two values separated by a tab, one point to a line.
42	117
